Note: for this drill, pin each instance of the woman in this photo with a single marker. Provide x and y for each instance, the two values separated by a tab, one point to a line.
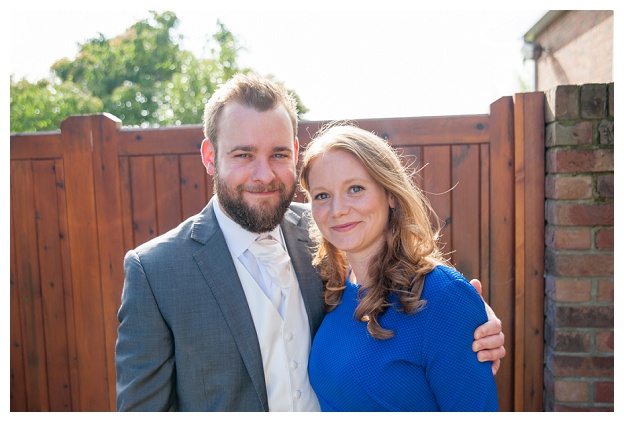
400	322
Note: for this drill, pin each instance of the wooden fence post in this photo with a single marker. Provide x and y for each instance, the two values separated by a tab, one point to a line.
529	269
110	233
92	189
502	224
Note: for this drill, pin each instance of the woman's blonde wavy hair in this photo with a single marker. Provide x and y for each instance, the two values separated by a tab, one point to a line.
410	250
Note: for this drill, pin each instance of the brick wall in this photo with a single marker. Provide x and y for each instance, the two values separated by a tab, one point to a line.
578	333
580	49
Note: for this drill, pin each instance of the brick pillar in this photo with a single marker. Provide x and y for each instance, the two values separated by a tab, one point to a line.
578	333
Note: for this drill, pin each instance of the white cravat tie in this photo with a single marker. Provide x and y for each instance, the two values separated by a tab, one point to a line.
275	262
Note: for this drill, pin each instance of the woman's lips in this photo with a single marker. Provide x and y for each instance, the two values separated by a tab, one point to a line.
345	227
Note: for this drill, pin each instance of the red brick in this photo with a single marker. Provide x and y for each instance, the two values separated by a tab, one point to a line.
605	132
579	160
562	102
569	187
583	366
604	239
572	341
604	342
605	291
575	265
568	290
566	214
584	316
558	134
594	101
604	392
571	391
576	238
604	185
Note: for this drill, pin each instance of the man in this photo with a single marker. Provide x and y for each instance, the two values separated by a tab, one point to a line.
197	329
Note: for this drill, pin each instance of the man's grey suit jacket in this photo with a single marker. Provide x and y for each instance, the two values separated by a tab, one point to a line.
186	339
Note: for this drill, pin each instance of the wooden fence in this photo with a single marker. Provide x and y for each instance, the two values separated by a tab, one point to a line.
82	197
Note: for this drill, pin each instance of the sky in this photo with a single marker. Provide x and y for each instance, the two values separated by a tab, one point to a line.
346	60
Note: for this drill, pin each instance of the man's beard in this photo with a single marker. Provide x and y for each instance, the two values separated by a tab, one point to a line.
252	219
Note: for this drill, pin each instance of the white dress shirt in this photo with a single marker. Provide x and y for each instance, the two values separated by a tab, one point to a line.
284	334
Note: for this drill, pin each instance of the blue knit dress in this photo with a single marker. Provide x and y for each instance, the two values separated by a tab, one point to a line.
427	366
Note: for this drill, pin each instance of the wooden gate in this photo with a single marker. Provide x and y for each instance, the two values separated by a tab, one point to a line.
82	197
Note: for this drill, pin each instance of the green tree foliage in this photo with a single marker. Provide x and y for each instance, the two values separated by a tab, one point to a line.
43	106
142	76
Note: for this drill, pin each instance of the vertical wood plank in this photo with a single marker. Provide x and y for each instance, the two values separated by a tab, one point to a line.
168	205
465	209
530	216
484	169
110	235
437	185
67	284
519	345
77	136
19	399
502	245
193	185
28	288
142	182
126	203
52	285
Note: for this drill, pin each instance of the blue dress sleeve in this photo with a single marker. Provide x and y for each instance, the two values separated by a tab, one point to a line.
459	381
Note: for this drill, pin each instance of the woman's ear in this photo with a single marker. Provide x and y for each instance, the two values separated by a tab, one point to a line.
391	201
207	154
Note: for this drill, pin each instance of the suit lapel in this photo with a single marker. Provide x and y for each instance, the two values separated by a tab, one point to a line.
298	243
215	262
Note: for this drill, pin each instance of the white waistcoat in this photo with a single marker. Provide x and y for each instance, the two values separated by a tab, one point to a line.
284	344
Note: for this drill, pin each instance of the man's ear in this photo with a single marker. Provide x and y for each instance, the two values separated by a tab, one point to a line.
296	150
207	154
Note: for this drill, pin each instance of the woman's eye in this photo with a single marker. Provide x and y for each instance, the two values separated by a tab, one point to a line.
320	196
356	189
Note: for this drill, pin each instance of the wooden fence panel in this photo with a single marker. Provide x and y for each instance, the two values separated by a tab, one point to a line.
104	190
